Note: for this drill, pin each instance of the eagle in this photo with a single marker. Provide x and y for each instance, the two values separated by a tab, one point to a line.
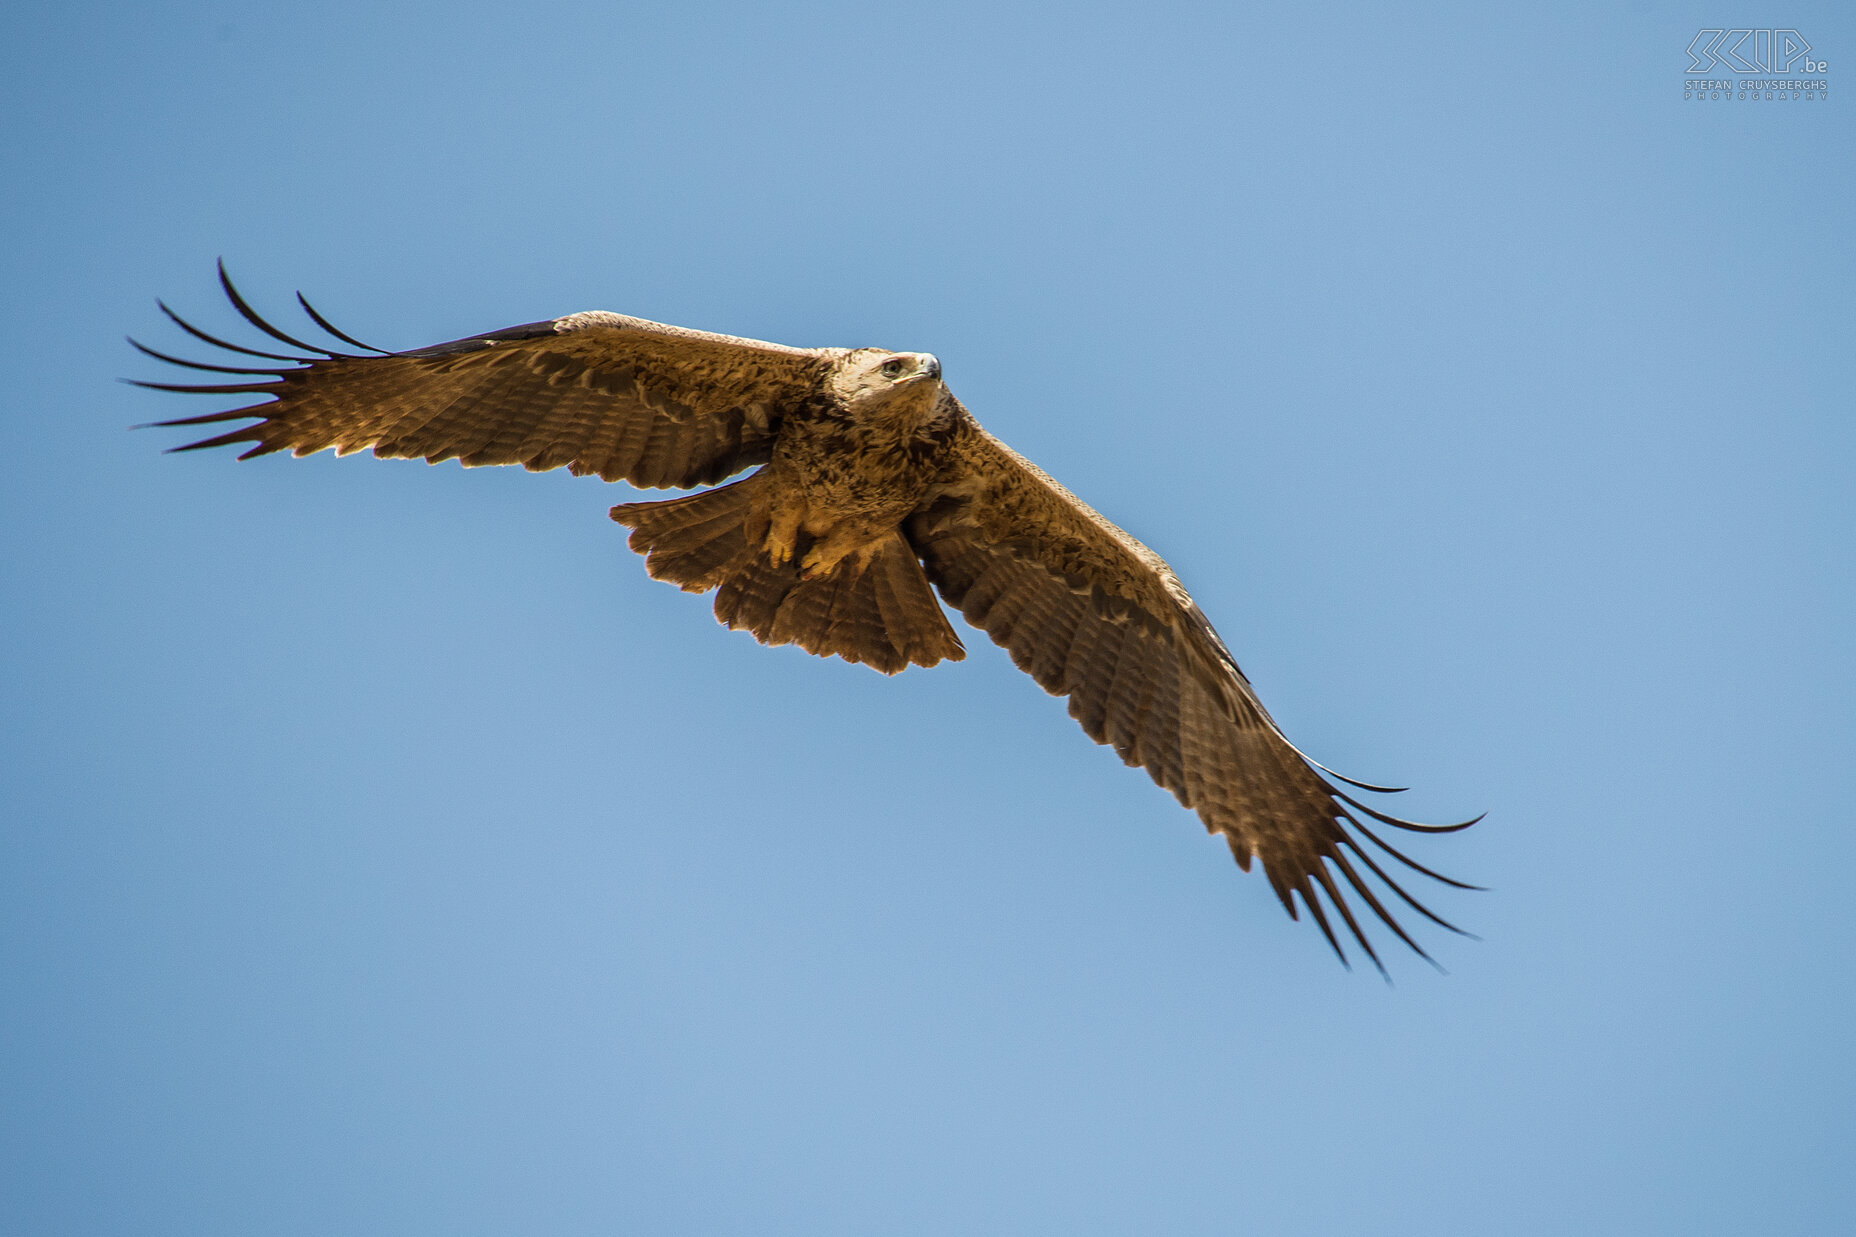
873	488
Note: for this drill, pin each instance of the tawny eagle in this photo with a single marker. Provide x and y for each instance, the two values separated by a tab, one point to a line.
871	483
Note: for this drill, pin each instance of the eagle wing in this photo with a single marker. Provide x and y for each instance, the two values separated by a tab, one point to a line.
626	399
1092	614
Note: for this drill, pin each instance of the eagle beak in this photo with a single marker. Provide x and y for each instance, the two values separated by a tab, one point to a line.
931	367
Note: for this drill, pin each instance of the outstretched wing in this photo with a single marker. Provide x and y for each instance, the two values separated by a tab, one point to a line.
1092	614
627	399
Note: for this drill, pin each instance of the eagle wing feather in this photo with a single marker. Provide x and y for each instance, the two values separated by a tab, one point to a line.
623	398
1092	614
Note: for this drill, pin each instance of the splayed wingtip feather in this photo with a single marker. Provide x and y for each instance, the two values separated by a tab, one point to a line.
252	316
332	329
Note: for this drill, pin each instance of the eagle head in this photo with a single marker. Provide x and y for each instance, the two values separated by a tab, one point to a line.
876	384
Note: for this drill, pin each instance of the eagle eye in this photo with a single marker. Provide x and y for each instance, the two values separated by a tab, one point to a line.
894	366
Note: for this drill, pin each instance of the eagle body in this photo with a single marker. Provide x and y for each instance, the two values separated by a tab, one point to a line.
852	462
872	489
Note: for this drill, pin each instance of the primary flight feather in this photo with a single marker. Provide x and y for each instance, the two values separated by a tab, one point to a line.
871	483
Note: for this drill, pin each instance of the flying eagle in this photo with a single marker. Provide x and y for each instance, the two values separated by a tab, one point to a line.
871	482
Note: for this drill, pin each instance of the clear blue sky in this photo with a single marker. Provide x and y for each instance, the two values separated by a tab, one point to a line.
383	852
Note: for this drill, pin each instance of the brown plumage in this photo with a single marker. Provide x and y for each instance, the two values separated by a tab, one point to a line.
873	483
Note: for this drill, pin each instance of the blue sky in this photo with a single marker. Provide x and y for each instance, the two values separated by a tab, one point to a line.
384	852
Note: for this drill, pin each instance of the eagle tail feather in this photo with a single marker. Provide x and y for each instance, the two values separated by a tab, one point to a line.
873	608
696	542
